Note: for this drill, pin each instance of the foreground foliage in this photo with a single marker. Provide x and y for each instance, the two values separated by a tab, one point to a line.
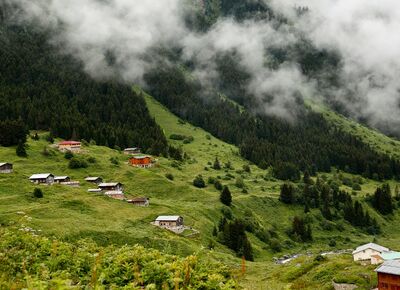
29	261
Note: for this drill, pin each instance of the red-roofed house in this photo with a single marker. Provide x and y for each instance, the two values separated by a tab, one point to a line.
73	146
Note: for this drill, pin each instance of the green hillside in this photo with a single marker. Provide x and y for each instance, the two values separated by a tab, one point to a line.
71	214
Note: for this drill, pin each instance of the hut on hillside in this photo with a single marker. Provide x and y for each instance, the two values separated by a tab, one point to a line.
6	167
142	161
42	178
140	201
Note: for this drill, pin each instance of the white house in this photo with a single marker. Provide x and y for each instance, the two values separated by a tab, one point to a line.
169	221
367	251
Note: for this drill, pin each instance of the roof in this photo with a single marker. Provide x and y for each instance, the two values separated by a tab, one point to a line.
139	199
94	190
4	163
390	256
114	193
389	267
168	218
41	176
60	177
372	246
69	143
140	157
132	149
92	178
109	184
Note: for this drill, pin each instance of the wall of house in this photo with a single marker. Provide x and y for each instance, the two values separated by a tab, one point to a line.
388	281
365	255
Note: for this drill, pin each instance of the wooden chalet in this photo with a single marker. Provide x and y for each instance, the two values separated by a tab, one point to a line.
42	178
111	186
6	167
169	221
73	146
95	180
140	201
142	161
60	179
132	151
389	275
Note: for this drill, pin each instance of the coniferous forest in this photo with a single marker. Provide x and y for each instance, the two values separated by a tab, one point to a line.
46	90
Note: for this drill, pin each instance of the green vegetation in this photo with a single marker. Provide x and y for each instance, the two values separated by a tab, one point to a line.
33	262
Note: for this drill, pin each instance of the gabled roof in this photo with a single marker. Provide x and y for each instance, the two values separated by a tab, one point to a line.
109	184
94	190
390	256
140	157
4	163
69	143
114	193
92	178
132	149
41	176
168	218
372	246
389	267
60	177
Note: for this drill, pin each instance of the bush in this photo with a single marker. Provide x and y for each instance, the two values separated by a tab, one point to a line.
169	176
275	245
68	155
76	163
332	243
199	182
49	138
239	182
38	193
356	187
246	168
92	160
177	137
218	185
114	160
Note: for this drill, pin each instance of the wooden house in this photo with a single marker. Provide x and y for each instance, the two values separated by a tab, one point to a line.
115	194
111	186
60	179
142	161
169	221
389	275
95	180
73	146
365	252
43	178
6	168
140	201
132	151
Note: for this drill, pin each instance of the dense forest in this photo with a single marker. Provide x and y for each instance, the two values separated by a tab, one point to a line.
49	91
310	144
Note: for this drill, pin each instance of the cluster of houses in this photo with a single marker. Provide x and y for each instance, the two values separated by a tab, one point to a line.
389	261
49	179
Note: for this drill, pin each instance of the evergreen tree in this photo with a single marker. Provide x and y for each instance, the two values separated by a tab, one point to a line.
287	193
217	164
226	196
382	200
20	150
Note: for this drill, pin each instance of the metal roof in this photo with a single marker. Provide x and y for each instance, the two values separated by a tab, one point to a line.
168	218
389	267
4	163
60	177
114	193
138	199
41	176
132	149
94	190
69	143
390	256
140	157
372	246
92	178
109	184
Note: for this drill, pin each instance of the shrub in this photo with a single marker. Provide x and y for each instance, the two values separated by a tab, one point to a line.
169	176
49	138
246	168
38	193
91	159
239	182
211	180
275	245
199	182
114	160
218	185
76	163
356	187
332	243
177	137
68	155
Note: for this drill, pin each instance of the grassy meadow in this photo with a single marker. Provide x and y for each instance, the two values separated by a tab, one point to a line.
71	214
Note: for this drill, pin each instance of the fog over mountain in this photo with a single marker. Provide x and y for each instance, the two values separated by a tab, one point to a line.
114	37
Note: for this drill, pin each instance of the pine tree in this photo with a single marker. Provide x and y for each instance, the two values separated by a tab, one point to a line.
226	196
20	150
287	193
217	164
